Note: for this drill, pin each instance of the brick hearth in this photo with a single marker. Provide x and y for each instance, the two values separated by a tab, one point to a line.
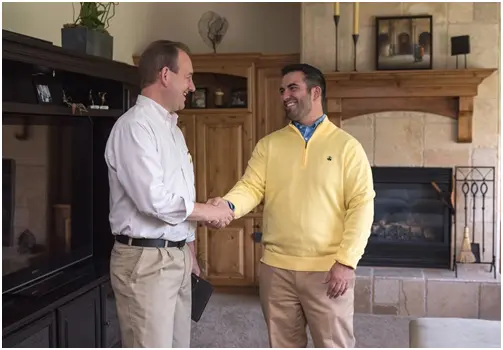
428	292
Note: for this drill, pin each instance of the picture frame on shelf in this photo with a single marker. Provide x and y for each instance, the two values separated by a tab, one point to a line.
404	42
239	98
199	98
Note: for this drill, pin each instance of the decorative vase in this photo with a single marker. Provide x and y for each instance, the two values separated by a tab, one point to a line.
87	41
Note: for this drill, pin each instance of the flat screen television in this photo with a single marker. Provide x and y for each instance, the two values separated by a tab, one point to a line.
47	196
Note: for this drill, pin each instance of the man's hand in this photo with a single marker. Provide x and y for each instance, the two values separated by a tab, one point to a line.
218	201
208	212
195	266
338	279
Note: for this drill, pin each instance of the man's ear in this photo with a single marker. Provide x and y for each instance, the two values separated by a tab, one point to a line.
317	92
164	75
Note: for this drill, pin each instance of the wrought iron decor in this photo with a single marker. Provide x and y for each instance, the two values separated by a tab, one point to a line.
474	188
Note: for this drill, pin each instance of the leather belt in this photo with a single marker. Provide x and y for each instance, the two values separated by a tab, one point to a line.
148	242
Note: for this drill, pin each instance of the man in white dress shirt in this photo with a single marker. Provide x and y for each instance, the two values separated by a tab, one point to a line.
153	213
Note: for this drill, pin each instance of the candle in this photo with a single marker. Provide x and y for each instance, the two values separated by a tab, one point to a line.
356	17
337	8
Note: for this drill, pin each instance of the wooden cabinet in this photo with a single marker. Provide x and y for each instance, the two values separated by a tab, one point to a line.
88	320
79	322
221	141
38	334
221	138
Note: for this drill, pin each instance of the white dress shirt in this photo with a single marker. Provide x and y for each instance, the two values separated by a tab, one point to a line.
151	175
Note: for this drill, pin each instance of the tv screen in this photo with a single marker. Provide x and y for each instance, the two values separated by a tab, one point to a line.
47	196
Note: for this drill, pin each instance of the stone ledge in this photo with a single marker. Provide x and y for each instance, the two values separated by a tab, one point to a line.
428	292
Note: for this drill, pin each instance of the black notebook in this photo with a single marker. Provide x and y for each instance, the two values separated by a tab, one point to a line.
201	293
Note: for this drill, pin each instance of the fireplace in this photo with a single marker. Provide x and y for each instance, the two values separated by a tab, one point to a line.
412	220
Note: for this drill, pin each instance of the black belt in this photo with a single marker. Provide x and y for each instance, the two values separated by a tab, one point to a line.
148	242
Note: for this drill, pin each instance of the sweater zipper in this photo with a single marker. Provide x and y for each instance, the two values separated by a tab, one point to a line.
304	158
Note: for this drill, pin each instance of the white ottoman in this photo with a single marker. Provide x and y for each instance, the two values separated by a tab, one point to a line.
430	332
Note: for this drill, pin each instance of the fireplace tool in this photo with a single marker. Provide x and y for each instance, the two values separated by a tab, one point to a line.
475	246
483	190
466	254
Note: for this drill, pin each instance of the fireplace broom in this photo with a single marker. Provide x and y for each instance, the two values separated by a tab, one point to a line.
466	254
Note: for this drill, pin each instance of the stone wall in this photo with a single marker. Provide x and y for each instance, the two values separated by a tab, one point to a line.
410	138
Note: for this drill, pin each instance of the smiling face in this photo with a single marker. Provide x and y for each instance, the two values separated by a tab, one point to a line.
176	86
296	97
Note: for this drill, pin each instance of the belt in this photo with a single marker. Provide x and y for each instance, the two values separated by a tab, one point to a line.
148	242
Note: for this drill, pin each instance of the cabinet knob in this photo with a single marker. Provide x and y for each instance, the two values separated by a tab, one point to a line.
257	236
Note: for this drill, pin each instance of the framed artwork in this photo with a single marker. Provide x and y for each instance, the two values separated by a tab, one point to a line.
199	98
404	43
239	98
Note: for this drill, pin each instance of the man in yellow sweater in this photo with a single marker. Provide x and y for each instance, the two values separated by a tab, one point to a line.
316	184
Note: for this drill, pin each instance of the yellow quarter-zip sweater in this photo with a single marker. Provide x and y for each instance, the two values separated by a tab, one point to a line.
318	197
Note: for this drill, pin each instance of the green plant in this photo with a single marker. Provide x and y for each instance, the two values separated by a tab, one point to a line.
94	15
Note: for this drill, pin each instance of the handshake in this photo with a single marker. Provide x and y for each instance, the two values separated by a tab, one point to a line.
219	214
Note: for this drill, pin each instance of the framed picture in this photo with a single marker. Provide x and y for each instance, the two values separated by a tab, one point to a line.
404	43
43	93
44	89
239	98
199	98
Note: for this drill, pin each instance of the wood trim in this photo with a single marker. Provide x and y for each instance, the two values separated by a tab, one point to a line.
448	93
17	47
238	59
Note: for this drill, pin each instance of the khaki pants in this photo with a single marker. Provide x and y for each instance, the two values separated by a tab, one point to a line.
152	287
291	300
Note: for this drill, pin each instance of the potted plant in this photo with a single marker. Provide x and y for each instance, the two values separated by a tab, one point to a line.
88	33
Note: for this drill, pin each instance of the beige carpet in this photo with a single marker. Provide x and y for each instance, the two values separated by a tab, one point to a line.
236	321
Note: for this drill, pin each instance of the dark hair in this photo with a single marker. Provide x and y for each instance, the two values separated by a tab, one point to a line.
312	77
157	55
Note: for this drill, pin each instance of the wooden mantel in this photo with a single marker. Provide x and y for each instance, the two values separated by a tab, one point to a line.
447	93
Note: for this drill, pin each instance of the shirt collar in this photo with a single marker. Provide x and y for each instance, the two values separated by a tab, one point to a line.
314	125
161	112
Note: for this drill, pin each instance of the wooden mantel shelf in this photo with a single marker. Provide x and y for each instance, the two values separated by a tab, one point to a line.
447	93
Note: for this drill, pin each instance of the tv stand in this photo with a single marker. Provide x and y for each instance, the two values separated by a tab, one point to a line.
54	281
74	306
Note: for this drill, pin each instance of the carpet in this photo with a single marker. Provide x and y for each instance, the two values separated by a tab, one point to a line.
236	321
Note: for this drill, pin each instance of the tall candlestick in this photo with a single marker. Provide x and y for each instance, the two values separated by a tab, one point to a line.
337	9
356	17
355	41
336	21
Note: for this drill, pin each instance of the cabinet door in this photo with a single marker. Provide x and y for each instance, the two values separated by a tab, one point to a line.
39	334
79	323
110	335
270	112
224	145
258	247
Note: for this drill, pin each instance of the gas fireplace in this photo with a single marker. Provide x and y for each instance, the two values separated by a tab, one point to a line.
412	218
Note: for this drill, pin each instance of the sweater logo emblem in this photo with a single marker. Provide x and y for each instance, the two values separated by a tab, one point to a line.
329	158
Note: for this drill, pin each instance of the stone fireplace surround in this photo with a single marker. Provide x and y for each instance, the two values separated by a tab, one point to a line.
417	137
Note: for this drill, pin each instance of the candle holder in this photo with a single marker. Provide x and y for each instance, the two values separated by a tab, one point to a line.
336	21
355	41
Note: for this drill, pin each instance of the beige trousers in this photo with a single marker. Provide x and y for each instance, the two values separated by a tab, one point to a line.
291	300
152	287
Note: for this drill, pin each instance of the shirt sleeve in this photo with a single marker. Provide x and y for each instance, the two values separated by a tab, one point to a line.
359	203
139	170
249	190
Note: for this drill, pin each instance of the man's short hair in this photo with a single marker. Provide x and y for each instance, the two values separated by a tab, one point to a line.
312	77
159	54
